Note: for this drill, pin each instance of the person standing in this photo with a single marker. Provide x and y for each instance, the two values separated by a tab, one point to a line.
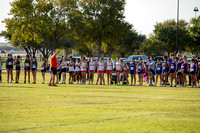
133	65
0	70
118	70
17	63
9	66
109	68
159	71
151	67
43	69
34	69
92	67
53	66
27	68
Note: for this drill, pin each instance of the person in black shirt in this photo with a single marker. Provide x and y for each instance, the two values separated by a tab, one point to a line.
27	68
34	69
17	63
9	66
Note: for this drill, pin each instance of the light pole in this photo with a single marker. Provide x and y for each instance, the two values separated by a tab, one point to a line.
177	27
196	10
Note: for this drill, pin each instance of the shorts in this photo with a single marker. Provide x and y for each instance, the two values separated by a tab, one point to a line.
54	70
124	70
27	68
165	71
108	71
43	70
91	71
158	72
141	72
101	71
192	73
34	69
128	70
118	71
172	71
9	66
58	70
71	71
132	72
84	71
18	68
152	72
63	70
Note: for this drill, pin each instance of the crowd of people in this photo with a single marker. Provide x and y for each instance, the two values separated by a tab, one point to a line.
171	68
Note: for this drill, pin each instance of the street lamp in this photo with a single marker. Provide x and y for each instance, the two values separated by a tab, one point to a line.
177	27
196	10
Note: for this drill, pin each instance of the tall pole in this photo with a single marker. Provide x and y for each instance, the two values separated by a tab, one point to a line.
177	27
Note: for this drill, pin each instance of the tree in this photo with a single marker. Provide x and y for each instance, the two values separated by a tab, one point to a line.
37	24
166	33
194	30
94	19
153	47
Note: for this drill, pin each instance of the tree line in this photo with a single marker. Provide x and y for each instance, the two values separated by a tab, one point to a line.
91	27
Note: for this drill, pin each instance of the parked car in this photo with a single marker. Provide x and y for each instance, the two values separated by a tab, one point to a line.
145	58
12	51
3	51
158	57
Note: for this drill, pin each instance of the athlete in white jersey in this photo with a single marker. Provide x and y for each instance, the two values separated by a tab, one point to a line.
118	70
84	67
92	67
71	71
78	71
124	76
101	67
109	68
63	66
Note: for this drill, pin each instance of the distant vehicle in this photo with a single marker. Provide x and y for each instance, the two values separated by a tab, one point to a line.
145	58
189	60
3	51
158	57
12	51
124	59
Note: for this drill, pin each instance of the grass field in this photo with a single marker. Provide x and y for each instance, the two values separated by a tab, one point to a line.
38	108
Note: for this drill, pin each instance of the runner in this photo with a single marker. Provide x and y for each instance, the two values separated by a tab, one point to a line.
184	68
133	65
17	63
118	70
9	66
34	69
27	64
172	71
43	69
159	71
78	71
109	68
92	67
140	70
84	67
165	70
1	64
63	65
101	68
71	71
124	76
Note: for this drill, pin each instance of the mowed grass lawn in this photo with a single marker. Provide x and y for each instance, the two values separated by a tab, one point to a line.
39	108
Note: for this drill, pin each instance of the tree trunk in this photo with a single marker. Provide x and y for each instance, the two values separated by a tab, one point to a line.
99	47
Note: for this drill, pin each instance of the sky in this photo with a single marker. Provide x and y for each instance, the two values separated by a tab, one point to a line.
142	14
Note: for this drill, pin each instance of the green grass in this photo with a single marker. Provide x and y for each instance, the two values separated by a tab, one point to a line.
38	108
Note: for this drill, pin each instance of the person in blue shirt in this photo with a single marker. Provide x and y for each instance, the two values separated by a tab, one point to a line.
172	71
140	70
193	73
184	68
159	71
133	65
165	70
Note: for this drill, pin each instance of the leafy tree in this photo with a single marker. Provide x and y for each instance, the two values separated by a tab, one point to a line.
37	24
166	33
153	47
194	30
92	20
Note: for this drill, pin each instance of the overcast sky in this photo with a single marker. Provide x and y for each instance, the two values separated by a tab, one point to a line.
143	14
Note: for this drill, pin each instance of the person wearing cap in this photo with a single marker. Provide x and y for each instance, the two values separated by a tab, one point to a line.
53	66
